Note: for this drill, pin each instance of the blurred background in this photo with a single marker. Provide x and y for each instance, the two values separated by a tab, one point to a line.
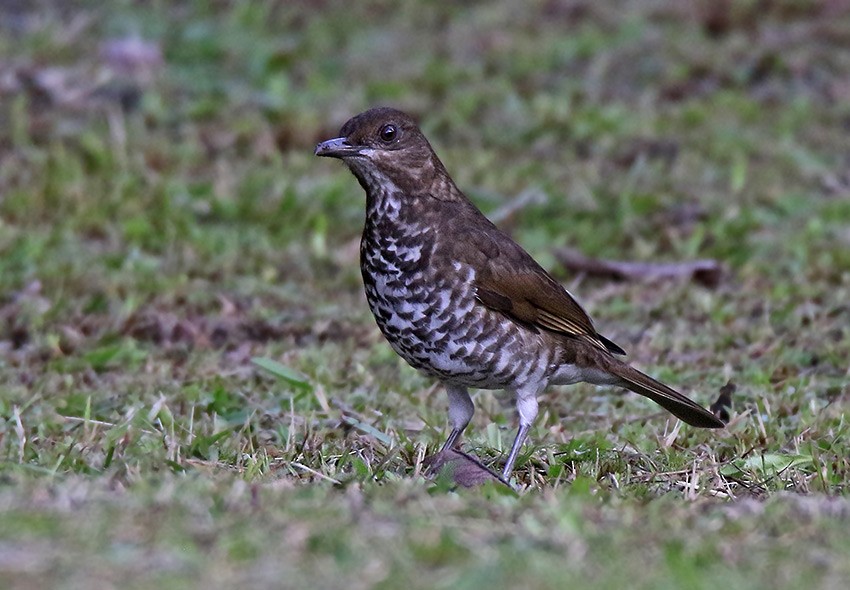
150	151
163	221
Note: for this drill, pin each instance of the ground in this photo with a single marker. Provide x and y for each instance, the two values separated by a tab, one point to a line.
193	392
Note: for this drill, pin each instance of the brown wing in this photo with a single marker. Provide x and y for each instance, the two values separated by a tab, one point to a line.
509	280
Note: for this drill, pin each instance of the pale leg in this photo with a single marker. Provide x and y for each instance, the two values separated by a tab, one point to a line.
460	412
527	406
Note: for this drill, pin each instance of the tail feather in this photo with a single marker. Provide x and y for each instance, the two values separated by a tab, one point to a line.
677	404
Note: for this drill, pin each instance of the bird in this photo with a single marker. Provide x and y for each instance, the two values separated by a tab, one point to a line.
459	299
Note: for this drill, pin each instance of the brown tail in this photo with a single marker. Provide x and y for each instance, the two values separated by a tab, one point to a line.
674	402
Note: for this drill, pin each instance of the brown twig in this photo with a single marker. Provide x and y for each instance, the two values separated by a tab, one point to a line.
707	272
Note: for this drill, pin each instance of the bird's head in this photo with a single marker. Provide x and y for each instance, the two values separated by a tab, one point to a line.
384	147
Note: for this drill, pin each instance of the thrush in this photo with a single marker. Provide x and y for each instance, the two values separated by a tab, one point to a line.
458	299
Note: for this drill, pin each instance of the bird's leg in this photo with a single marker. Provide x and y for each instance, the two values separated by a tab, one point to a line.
450	442
460	412
527	406
521	435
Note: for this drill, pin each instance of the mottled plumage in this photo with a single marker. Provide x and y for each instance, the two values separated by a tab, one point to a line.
461	301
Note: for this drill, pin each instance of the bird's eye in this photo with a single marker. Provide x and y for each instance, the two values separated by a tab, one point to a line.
388	133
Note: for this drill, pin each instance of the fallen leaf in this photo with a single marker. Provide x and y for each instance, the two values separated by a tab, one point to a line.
463	469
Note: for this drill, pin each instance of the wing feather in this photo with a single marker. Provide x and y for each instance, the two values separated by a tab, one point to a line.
509	280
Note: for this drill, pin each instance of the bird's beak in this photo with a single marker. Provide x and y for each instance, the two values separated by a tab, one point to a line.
337	147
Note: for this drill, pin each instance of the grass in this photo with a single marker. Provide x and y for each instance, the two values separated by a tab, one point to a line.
193	392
